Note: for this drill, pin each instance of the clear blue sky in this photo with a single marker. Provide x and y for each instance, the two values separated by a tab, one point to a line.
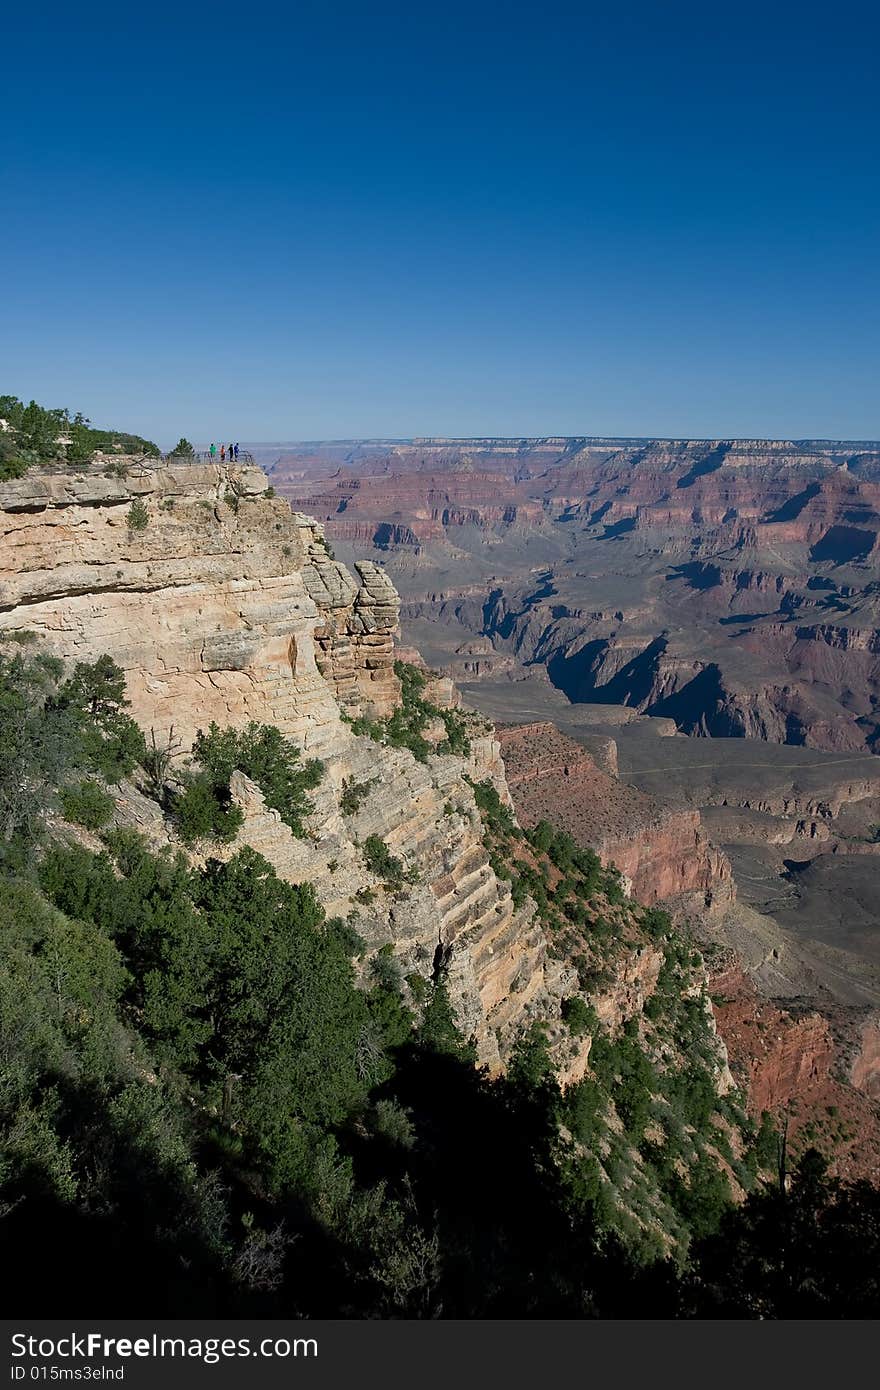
330	220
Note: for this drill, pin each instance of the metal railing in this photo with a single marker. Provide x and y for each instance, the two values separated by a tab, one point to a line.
205	456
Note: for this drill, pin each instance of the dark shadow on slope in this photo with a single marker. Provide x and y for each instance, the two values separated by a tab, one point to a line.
618	528
745	618
700	574
842	544
576	675
699	708
709	463
794	506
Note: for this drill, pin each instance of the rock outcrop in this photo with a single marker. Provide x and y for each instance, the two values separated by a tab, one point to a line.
355	643
220	604
662	851
210	605
820	1074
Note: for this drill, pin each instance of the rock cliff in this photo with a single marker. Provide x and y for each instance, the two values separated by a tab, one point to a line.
662	851
220	604
820	1074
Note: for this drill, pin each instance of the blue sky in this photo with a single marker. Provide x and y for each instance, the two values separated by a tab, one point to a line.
316	220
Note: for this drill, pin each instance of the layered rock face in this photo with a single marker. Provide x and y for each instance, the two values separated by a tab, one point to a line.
413	510
220	604
355	643
219	607
662	851
797	1064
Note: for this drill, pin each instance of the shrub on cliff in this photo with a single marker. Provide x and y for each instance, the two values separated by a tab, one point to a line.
204	810
113	743
262	753
138	517
405	727
580	1016
86	804
385	865
52	729
354	794
438	1031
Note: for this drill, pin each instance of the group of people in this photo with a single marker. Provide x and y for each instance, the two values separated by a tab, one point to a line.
226	451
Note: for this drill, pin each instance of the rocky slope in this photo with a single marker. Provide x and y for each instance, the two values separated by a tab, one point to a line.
803	1044
798	1063
225	606
663	852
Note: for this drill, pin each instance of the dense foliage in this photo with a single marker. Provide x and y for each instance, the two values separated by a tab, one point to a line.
204	806
52	731
33	434
204	1110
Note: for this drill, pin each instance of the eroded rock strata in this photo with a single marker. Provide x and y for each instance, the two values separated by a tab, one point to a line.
219	603
727	584
226	606
662	850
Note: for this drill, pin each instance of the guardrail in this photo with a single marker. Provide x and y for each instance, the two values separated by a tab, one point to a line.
205	456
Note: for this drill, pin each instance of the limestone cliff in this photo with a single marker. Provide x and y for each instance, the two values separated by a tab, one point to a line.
225	605
219	603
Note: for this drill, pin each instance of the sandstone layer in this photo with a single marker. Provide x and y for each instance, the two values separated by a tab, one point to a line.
226	606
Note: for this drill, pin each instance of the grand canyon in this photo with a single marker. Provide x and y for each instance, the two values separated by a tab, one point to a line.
680	643
588	861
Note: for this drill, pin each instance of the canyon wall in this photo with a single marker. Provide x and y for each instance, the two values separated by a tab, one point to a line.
223	605
729	585
820	1074
662	851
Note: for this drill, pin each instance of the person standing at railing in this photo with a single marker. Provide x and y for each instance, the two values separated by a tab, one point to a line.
213	452
236	453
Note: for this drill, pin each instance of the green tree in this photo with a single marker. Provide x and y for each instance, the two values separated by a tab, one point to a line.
262	753
138	516
112	742
87	804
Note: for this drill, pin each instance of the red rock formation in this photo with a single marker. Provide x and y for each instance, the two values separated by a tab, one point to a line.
865	1067
662	851
792	1065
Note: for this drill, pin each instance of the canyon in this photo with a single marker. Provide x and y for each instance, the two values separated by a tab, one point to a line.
229	606
701	619
728	585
